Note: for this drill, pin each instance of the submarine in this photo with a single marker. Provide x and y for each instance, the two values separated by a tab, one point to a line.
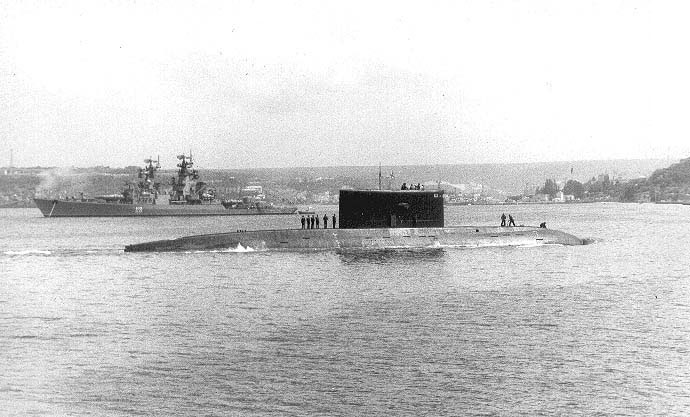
371	219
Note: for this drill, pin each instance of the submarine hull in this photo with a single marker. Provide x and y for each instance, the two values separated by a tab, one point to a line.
375	238
76	208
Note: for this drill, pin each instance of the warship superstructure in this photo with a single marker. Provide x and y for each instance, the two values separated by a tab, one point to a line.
188	197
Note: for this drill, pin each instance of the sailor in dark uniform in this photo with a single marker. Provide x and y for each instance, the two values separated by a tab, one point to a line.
333	221
511	221
503	219
317	221
303	221
325	221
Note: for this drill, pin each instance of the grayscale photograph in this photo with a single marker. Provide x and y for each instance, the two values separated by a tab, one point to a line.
330	208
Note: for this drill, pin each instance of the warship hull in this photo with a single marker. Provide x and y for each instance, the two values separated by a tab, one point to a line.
357	239
77	208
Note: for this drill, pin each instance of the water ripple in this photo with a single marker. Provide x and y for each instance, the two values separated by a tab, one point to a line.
594	330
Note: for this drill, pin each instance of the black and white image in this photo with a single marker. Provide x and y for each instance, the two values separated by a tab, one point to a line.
329	208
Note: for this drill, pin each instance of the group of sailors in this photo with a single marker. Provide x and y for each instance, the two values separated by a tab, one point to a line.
412	186
511	221
312	222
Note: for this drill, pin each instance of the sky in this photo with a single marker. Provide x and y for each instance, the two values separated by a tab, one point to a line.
251	84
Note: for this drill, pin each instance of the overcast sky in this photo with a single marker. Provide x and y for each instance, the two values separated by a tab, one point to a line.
280	83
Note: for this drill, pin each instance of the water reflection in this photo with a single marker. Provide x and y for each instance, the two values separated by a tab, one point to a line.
390	256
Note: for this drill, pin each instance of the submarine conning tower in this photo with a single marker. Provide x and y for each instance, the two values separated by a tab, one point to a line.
372	209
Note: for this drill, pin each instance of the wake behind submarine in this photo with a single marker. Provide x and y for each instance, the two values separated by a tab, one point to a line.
371	219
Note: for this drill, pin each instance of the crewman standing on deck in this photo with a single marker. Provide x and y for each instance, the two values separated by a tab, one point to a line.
325	221
303	220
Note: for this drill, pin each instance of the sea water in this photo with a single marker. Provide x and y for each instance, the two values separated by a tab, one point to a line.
602	329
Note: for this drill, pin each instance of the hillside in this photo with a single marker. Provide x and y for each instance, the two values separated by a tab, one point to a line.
671	183
676	175
321	184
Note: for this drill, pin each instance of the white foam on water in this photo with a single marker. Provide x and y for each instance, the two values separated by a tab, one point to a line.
240	249
27	252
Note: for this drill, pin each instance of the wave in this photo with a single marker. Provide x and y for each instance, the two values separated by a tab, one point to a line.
60	252
238	249
27	252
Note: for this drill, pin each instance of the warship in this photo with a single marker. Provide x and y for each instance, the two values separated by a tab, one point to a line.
371	219
188	197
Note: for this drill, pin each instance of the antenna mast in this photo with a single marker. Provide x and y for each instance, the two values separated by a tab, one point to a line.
379	176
